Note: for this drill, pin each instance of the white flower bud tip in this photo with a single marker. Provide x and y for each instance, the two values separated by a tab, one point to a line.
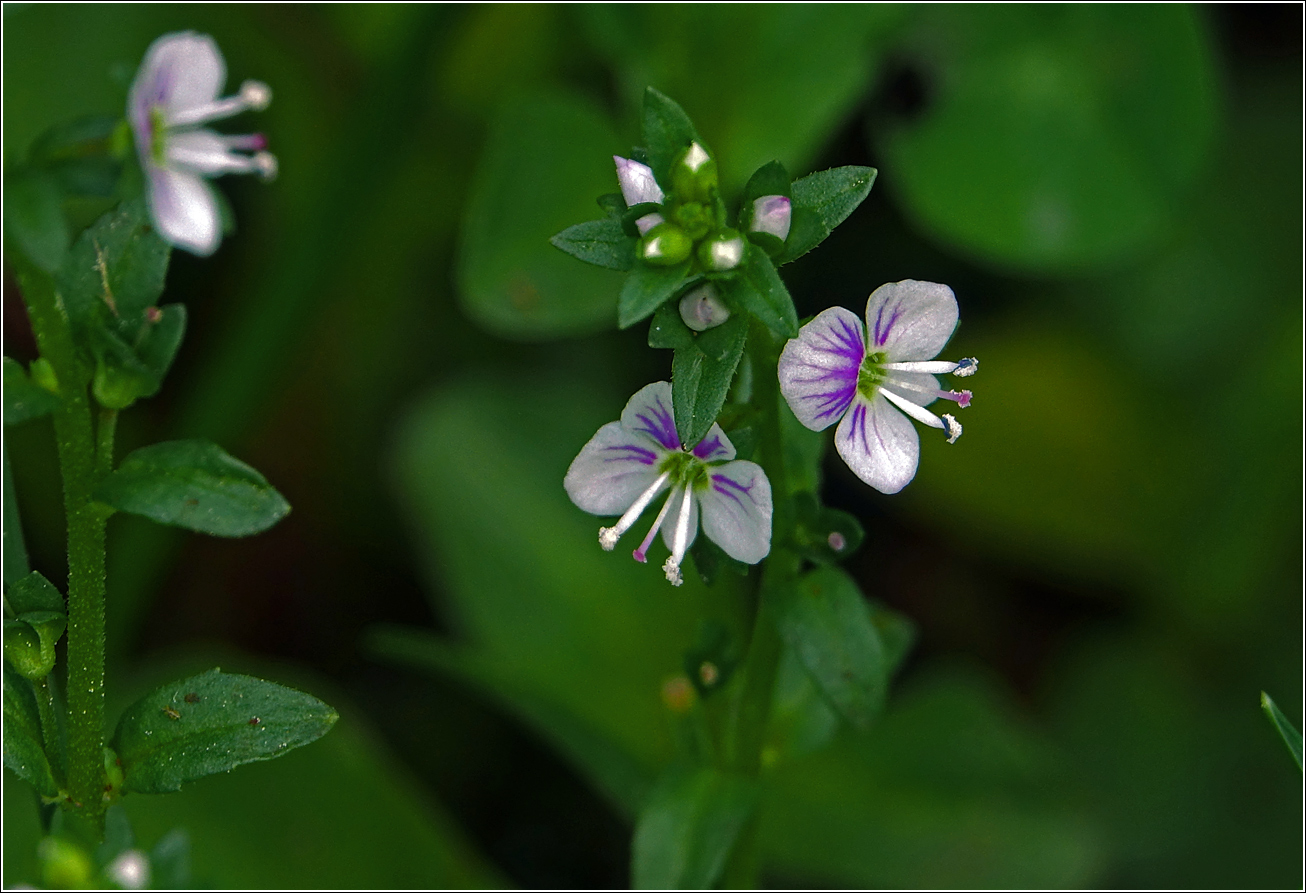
772	214
965	367
696	157
256	95
647	222
702	309
726	255
837	541
952	426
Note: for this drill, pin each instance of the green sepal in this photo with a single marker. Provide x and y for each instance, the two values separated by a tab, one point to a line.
24	750
773	245
757	288
612	203
668	330
701	375
634	213
712	659
769	179
30	641
212	723
196	485
24	398
82	155
34	218
133	357
668	132
647	288
820	202
1283	726
604	243
665	245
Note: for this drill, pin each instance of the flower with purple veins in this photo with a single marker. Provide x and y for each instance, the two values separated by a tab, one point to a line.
629	463
638	186
176	90
874	377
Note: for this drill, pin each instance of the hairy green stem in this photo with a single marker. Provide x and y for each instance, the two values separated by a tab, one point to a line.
49	728
76	442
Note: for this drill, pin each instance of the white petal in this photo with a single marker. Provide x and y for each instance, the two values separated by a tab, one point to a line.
818	369
879	443
181	71
612	470
715	446
637	182
184	210
910	320
673	519
737	510
772	214
649	413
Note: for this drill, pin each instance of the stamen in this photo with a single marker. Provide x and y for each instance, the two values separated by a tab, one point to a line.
641	554
608	535
931	367
953	427
966	366
266	165
256	95
962	398
919	413
680	541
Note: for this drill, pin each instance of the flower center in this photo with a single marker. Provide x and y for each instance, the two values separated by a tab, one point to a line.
871	375
158	128
686	470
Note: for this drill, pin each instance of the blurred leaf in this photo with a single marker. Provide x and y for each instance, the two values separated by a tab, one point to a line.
825	535
1054	137
646	289
825	620
667	132
77	153
34	219
802	720
170	861
1283	726
699	383
195	485
600	242
685	834
897	634
820	202
546	157
115	269
24	399
212	723
133	357
16	565
22	832
24	750
758	289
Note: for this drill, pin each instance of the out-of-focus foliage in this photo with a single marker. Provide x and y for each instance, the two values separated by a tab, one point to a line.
1103	573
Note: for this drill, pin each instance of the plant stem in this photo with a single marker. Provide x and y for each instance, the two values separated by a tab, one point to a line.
49	728
77	463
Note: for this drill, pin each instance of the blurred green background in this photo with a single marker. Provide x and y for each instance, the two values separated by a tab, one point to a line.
1104	572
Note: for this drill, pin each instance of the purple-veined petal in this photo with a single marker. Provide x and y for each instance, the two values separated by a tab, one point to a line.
737	510
637	182
818	369
673	520
715	446
910	320
649	413
918	387
879	443
612	470
181	72
772	214
184	210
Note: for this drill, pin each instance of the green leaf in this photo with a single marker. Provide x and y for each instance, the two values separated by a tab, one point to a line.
16	565
600	242
1033	153
24	398
134	358
195	485
700	383
769	179
115	269
667	132
759	290
24	752
897	634
685	834
820	202
825	620
825	535
212	723
802	720
34	218
170	861
546	156
34	593
78	154
668	329
1290	735
647	288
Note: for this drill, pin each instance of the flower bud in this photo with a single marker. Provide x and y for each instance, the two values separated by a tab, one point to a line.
772	214
721	251
703	309
64	865
637	183
30	641
695	218
694	175
665	245
43	374
114	388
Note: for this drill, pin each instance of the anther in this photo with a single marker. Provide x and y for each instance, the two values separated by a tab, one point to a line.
952	426
256	95
266	165
966	366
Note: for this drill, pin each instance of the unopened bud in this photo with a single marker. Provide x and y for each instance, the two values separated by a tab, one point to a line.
772	214
43	374
131	870
665	245
694	175
64	865
721	251
703	309
838	542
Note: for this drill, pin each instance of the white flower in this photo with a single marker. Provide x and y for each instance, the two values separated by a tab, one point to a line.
175	91
629	463
638	186
838	369
772	214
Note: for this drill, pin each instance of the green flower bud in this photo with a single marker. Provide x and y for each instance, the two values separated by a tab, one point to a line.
665	245
721	251
113	776
30	641
695	218
43	374
694	175
64	865
115	388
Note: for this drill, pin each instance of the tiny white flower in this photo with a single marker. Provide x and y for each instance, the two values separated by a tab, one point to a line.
639	186
176	90
772	214
870	376
131	870
629	463
702	308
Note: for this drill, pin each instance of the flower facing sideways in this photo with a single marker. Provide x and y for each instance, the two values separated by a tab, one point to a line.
629	463
874	376
175	91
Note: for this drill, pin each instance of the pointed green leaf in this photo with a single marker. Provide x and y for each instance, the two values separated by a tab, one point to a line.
195	485
134	357
212	723
600	242
692	822
647	288
23	751
668	330
24	398
667	132
1290	735
825	620
34	218
34	593
822	201
769	179
759	290
115	269
700	383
